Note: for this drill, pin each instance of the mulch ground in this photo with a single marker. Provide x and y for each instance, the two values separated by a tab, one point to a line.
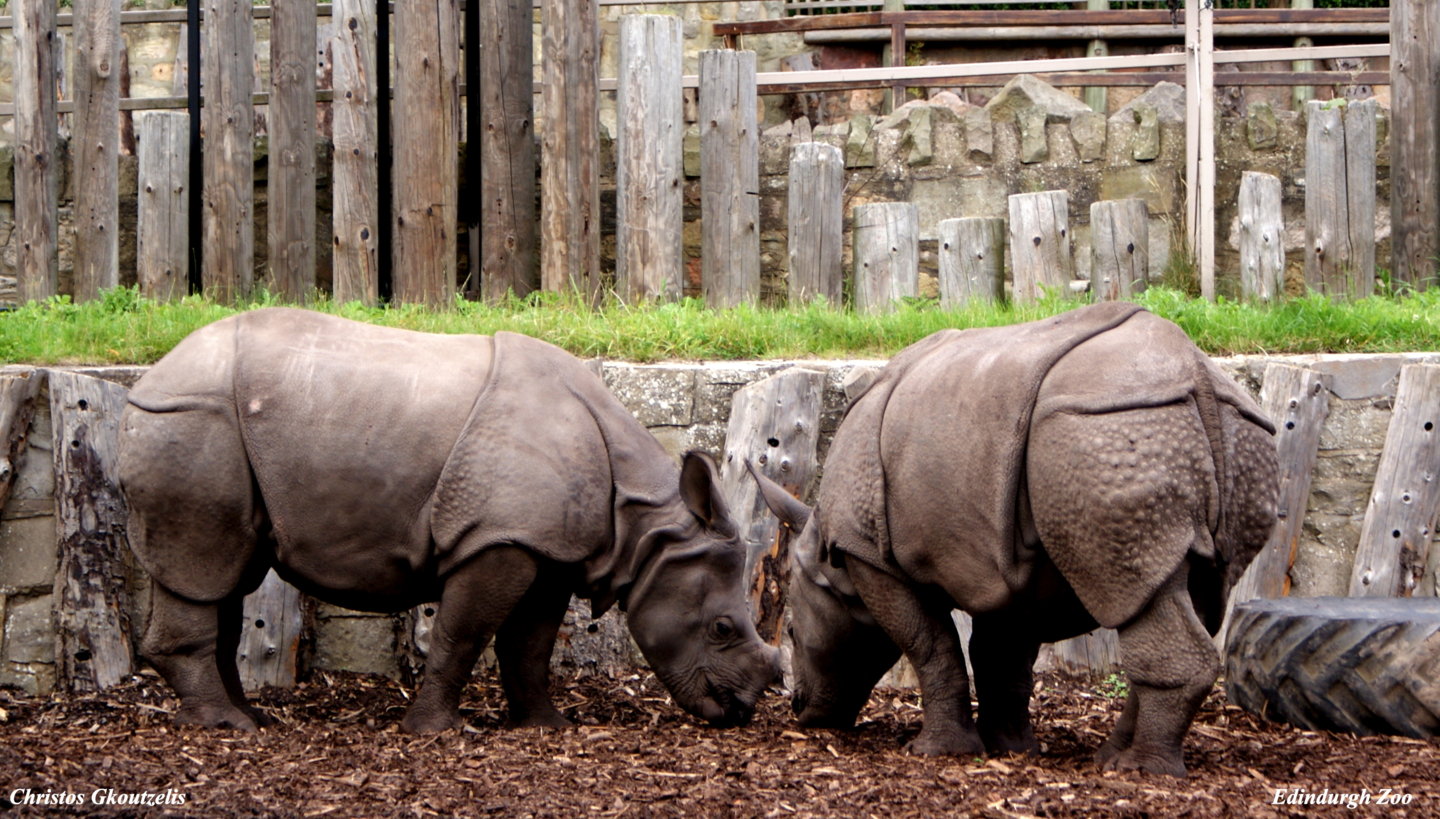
338	751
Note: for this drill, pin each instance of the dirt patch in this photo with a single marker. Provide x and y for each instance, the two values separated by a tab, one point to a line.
338	751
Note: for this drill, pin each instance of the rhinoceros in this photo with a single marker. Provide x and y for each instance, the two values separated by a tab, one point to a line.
1094	468
377	468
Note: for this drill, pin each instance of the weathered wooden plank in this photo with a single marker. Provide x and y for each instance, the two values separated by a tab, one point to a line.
1415	140
291	223
1405	502
1040	244
1091	655
355	263
887	255
570	148
649	259
1340	198
163	207
1297	400
272	625
972	260
729	179
508	241
92	630
426	143
816	223
774	426
1200	140
1119	248
95	147
37	173
228	211
1262	237
17	407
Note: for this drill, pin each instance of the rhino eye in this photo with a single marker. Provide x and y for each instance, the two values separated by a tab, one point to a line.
722	628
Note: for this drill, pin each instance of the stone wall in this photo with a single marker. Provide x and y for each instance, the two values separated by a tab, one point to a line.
687	406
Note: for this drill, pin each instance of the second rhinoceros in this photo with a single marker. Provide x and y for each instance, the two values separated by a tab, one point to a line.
1094	468
377	468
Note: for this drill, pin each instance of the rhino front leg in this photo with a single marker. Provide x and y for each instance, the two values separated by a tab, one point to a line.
193	647
476	599
1004	661
1172	665
524	646
926	634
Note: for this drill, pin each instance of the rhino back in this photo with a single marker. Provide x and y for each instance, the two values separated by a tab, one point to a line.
347	427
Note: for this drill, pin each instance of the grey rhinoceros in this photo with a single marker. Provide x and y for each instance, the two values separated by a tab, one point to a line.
377	468
1093	468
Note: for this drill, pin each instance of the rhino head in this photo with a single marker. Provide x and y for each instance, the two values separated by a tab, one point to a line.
687	611
839	651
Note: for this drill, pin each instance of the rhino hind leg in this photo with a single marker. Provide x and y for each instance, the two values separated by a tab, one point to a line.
523	647
925	632
477	598
1004	663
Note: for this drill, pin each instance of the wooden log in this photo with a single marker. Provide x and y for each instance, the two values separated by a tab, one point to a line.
774	426
508	240
816	223
570	148
1090	655
37	173
1119	248
972	260
355	263
887	255
1340	198
1415	140
95	147
272	625
729	179
292	150
426	143
649	215
92	629
1262	237
1040	245
228	195
17	407
163	218
1297	400
1405	502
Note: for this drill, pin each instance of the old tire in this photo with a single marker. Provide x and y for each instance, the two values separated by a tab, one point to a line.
1363	665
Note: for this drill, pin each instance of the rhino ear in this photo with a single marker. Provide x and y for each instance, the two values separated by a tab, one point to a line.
791	512
700	489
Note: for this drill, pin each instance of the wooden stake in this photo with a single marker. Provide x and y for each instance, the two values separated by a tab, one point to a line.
729	179
509	242
972	260
95	148
570	149
354	177
163	218
291	184
272	624
887	255
1119	248
1262	237
1040	244
227	68
816	223
37	142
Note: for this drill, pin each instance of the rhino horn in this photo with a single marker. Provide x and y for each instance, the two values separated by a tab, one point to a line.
786	507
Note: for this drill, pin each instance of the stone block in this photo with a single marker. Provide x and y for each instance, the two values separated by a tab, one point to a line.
1326	553
860	143
1341	482
1033	144
938	199
1145	141
691	151
1026	91
28	553
360	643
35	679
920	137
656	394
1356	424
1158	185
979	134
716	384
7	173
29	630
1088	131
1262	130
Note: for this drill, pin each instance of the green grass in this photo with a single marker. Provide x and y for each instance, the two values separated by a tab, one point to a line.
124	327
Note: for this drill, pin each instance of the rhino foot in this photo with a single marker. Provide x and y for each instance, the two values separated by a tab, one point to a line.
426	721
1130	759
217	716
553	719
952	742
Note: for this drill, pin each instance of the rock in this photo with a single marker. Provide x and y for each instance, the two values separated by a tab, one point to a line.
1027	92
859	144
1088	131
1262	130
1145	143
1167	98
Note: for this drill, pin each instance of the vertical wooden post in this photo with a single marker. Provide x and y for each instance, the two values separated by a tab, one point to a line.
272	624
649	250
356	275
1096	96
227	66
887	255
1405	503
1297	399
1200	139
1415	141
508	240
816	223
729	179
92	632
1040	244
163	218
95	147
1300	95
426	137
972	261
775	425
1119	248
1262	237
1340	198
37	172
570	148
292	149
